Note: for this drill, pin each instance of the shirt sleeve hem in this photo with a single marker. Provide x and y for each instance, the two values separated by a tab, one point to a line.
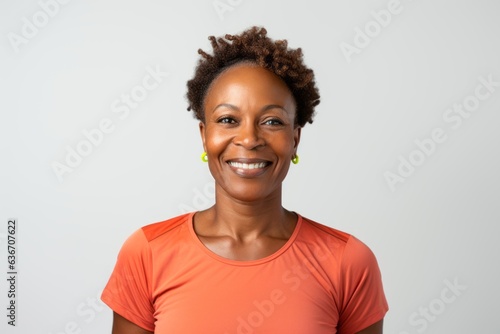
367	322
126	313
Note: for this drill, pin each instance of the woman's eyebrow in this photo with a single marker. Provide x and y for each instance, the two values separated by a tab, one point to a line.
227	105
275	106
266	108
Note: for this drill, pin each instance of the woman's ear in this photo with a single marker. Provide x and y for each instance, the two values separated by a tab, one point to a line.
202	133
296	137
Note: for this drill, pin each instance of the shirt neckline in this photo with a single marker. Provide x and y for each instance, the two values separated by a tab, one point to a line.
222	259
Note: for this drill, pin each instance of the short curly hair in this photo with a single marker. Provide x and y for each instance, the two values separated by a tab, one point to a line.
253	45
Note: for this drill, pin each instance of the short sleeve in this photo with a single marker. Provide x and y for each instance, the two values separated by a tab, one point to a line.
363	301
128	291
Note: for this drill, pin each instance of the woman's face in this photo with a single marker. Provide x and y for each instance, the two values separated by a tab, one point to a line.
249	132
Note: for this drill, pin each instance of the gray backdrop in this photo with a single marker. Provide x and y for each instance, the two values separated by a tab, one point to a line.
404	152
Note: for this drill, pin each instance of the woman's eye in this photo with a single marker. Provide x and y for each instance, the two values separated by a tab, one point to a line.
273	122
226	120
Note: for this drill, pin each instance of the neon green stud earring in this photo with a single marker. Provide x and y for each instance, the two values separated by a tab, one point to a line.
204	157
295	159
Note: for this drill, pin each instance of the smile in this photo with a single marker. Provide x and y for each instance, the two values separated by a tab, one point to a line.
247	166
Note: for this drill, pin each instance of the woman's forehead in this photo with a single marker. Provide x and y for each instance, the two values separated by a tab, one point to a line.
248	75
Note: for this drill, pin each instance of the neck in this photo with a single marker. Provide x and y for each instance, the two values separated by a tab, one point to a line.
247	220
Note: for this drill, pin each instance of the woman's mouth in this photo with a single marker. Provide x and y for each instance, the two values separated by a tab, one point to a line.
247	165
248	168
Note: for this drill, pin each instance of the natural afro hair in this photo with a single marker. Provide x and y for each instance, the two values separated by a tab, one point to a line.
253	45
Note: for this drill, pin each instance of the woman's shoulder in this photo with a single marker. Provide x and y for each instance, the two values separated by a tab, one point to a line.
353	253
315	229
144	239
155	230
318	232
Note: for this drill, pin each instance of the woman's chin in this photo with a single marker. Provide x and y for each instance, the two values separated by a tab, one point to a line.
248	194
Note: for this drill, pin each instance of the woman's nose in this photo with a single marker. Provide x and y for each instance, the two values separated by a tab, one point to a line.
249	136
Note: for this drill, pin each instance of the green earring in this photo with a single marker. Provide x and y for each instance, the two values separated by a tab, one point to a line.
295	159
204	157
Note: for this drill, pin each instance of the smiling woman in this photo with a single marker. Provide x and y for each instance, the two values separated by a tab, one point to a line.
249	133
247	264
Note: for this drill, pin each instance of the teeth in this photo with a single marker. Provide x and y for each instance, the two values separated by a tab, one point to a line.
247	166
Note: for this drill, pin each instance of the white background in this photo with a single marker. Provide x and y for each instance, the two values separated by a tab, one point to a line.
440	224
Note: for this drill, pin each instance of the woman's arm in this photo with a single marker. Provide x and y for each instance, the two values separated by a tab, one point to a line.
123	326
376	328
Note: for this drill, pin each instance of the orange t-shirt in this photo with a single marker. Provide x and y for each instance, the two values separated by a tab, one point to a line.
321	281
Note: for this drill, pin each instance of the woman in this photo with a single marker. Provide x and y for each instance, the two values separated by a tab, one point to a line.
246	264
